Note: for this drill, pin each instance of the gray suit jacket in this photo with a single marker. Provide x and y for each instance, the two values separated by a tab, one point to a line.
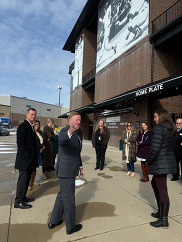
69	159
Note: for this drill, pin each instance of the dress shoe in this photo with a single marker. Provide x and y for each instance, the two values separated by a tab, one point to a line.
22	205
77	228
96	168
51	226
101	168
28	200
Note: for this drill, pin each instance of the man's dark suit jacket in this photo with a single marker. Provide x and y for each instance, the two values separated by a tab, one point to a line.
26	157
69	159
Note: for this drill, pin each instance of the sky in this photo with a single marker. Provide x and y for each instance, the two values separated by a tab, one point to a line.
32	35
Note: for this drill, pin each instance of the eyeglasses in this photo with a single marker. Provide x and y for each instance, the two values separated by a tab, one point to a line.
129	125
178	123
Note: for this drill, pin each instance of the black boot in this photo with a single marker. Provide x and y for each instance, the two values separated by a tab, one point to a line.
163	220
156	215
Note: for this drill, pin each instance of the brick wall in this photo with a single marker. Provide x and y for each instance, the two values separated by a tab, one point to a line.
131	69
158	7
85	125
90	48
166	63
172	104
143	110
5	111
80	97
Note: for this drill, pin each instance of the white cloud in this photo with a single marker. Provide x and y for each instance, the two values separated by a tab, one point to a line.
33	33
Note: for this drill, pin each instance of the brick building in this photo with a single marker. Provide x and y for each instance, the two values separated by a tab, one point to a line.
127	63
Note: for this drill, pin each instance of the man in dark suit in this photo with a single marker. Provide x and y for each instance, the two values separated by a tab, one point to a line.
178	150
26	159
67	168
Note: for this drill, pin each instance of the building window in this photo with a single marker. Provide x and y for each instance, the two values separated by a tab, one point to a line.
49	110
28	106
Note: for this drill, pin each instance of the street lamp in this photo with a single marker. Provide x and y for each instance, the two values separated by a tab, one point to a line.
59	87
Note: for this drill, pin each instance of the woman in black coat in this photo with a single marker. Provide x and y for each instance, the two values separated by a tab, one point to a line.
161	162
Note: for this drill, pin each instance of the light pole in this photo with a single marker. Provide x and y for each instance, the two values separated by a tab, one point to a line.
59	87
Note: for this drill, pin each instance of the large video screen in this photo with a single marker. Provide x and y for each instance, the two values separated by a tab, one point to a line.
77	71
121	23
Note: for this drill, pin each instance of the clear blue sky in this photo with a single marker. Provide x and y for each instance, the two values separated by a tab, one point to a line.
32	35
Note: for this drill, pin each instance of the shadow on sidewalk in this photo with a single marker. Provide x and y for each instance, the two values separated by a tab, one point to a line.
88	210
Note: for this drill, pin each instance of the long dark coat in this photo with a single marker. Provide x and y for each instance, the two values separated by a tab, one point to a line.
132	146
48	158
106	136
143	148
26	157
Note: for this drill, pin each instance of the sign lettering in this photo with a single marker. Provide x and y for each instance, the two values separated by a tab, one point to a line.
147	90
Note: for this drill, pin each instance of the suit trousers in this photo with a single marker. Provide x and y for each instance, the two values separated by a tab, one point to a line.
65	203
22	185
178	161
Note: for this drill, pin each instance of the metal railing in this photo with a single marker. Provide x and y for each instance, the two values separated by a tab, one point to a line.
89	76
168	16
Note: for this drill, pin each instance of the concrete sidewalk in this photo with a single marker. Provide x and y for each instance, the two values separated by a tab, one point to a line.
110	206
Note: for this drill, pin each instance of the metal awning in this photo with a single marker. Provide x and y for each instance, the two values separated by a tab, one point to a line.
83	110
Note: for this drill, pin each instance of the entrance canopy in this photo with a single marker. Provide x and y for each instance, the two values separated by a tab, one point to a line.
164	88
82	110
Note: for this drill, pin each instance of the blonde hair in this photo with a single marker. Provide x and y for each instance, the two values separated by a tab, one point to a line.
132	128
98	127
50	120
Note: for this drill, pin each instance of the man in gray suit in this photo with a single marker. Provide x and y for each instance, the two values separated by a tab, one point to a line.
67	168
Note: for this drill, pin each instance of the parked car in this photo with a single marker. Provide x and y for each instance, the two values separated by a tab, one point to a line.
4	131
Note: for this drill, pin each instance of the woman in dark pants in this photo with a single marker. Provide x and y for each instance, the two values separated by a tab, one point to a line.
161	162
100	139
